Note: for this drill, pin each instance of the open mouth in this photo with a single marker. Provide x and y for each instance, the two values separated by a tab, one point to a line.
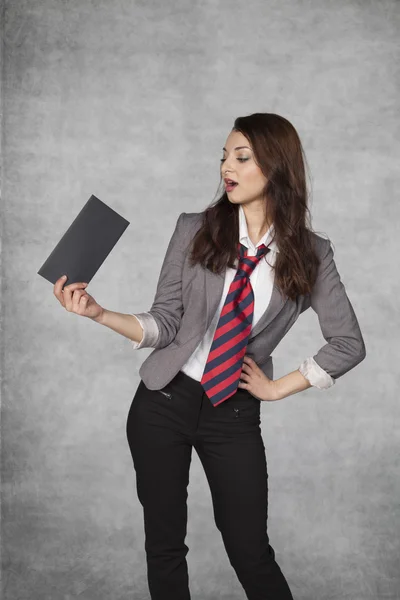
230	184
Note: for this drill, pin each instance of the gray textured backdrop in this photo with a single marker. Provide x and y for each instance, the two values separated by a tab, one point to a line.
133	101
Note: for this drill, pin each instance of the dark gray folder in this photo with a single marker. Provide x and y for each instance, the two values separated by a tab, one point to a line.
86	243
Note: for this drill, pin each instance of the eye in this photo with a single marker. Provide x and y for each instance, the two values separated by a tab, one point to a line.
239	159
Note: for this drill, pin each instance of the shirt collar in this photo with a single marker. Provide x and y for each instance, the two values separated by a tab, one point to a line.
244	234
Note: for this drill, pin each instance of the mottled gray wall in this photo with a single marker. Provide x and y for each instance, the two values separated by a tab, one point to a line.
133	101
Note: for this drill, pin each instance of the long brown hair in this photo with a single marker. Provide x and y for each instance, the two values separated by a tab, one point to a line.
279	154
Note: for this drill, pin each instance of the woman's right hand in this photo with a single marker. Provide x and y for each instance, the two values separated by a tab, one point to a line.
75	299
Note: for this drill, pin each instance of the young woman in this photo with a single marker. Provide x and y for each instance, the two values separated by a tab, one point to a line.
234	280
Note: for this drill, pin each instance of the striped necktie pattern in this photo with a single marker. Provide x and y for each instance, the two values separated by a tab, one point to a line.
224	363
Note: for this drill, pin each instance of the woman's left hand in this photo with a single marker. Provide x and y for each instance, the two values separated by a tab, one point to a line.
256	382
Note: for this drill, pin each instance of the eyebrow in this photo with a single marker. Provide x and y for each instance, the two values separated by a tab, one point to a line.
238	148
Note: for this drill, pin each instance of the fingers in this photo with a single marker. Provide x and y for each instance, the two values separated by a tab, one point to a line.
58	288
69	297
75	302
249	363
72	295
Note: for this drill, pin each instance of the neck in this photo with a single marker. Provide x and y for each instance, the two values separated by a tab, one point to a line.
258	222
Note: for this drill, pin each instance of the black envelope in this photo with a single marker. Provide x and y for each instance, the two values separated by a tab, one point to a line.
86	244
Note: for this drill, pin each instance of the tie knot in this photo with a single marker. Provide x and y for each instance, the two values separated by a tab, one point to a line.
248	263
261	251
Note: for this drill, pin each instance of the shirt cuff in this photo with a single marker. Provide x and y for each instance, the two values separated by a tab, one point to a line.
150	331
315	374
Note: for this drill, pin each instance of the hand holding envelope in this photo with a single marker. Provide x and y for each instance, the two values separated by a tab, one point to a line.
86	244
75	299
80	253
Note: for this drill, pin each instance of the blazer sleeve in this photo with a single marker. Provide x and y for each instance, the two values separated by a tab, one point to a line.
161	323
345	346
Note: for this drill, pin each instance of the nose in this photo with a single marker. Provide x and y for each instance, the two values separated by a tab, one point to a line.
226	167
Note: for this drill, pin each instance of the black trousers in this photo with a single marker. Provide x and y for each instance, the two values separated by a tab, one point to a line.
162	427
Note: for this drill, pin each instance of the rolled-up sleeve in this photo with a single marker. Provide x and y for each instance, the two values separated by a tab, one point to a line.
150	331
315	375
345	346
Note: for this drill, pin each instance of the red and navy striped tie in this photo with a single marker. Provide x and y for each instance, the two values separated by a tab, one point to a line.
224	363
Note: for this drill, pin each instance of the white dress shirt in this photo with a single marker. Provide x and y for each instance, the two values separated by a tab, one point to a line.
262	280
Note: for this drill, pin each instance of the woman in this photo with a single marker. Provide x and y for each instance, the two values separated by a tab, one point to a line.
233	282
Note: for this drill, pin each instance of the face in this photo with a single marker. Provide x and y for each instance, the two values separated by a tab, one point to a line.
238	164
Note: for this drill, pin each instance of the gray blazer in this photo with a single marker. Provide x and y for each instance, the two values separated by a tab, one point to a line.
187	297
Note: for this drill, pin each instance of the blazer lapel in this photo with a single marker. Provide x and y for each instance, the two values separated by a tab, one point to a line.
276	303
214	285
